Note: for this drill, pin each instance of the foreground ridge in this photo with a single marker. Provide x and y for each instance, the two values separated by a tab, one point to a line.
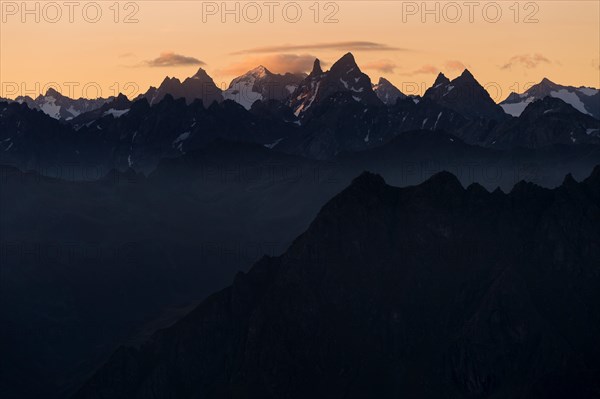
426	291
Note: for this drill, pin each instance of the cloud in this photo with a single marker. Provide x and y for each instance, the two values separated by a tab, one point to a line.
528	61
277	63
425	69
169	58
343	46
384	66
454	66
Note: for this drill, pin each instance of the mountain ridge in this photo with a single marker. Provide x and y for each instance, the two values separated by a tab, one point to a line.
352	311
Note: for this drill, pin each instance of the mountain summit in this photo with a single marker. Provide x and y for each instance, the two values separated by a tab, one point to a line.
583	99
466	96
316	68
387	92
344	77
200	86
261	84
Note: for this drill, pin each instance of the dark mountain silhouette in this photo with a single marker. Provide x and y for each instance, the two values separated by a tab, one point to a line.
198	87
344	77
117	107
544	122
466	96
428	291
31	139
387	92
138	136
183	232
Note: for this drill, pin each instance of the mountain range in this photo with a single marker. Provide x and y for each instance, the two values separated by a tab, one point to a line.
198	87
317	116
261	84
58	106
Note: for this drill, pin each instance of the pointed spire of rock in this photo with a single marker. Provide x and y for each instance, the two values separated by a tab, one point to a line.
440	80
201	74
316	68
467	74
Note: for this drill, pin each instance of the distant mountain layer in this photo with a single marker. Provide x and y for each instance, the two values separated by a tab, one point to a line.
463	94
261	84
425	292
198	87
58	106
584	99
317	116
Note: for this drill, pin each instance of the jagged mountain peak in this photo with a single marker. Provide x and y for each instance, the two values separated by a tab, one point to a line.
387	92
546	81
585	99
199	86
344	77
444	181
466	77
345	64
261	71
569	180
547	105
168	80
201	74
52	92
368	180
594	178
465	95
441	80
467	74
316	68
261	84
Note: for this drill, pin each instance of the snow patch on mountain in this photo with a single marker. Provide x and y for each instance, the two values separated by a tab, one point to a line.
570	98
116	113
516	109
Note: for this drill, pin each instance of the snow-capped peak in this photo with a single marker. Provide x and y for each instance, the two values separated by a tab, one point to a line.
260	72
583	99
261	84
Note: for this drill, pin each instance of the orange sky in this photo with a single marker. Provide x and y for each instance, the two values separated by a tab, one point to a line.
559	40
